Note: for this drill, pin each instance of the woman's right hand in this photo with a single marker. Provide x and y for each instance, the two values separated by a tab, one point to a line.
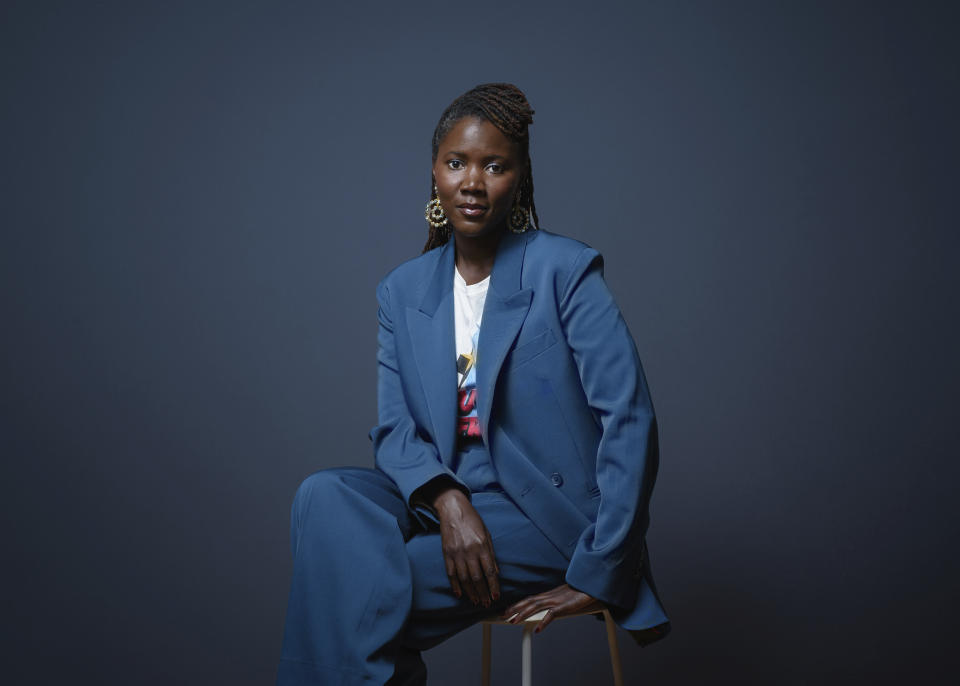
467	548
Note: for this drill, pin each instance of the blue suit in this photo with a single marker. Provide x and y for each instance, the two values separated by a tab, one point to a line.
566	420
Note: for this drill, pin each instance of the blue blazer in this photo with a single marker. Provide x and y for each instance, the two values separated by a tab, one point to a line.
563	406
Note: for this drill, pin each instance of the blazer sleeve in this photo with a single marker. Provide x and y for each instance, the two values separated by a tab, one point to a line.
398	449
608	558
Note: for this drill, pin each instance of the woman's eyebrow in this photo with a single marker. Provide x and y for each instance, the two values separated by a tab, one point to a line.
488	157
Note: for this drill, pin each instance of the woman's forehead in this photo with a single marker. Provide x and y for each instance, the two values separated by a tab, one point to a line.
474	134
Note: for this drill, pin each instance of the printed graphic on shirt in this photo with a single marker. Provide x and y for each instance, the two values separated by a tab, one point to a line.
468	424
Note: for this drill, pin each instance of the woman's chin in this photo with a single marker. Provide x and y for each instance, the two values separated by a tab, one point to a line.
471	230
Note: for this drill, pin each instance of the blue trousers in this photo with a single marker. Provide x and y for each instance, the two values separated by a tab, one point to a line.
369	589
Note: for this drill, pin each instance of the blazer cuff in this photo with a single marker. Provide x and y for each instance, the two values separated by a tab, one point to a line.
449	480
409	479
423	510
615	585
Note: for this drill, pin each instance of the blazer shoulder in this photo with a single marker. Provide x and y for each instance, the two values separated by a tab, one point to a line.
409	274
557	249
558	255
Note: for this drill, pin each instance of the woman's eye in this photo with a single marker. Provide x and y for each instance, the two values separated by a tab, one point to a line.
455	164
495	168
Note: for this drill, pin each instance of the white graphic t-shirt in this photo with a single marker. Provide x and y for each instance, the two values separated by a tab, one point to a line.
468	311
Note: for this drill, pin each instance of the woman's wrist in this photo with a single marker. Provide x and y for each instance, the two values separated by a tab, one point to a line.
445	497
439	493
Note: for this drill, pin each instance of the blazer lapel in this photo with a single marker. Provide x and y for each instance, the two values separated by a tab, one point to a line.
431	327
504	310
434	348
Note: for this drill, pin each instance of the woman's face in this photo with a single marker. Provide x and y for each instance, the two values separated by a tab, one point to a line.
477	171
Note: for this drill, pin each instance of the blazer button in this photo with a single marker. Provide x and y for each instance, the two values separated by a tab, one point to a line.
556	479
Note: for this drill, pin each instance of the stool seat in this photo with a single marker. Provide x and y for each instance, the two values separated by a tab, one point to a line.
527	648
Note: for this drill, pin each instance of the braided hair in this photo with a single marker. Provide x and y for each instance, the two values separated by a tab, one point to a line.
506	107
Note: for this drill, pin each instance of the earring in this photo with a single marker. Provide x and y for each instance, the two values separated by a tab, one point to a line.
519	219
434	211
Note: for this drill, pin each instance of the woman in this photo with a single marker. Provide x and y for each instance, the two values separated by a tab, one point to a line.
516	444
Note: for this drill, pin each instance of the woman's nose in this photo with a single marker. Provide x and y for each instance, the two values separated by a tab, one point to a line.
473	181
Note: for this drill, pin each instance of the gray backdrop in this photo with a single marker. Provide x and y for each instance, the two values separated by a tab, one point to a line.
198	201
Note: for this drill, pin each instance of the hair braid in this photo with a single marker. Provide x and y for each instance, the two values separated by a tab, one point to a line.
506	107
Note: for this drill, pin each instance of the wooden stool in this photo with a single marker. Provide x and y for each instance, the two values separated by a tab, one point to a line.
527	648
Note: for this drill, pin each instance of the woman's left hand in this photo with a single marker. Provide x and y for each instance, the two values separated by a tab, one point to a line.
560	601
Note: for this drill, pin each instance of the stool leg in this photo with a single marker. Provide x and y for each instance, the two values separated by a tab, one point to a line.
527	651
485	658
614	649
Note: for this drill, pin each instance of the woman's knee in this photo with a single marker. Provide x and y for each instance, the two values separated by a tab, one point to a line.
319	484
326	484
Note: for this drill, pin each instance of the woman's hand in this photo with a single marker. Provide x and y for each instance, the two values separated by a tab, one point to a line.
560	601
467	548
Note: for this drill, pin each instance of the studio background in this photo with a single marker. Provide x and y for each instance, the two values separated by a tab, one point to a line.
199	199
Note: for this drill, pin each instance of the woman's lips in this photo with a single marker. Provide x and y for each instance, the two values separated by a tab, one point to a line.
472	210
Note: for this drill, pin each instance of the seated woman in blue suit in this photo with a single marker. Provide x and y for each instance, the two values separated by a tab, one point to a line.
516	443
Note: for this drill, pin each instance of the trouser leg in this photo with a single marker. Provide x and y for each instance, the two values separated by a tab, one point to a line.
369	588
410	668
528	564
350	591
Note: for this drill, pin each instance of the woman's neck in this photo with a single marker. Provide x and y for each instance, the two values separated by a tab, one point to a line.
474	256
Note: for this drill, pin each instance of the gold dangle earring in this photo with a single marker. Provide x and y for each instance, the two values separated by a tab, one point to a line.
519	218
434	212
